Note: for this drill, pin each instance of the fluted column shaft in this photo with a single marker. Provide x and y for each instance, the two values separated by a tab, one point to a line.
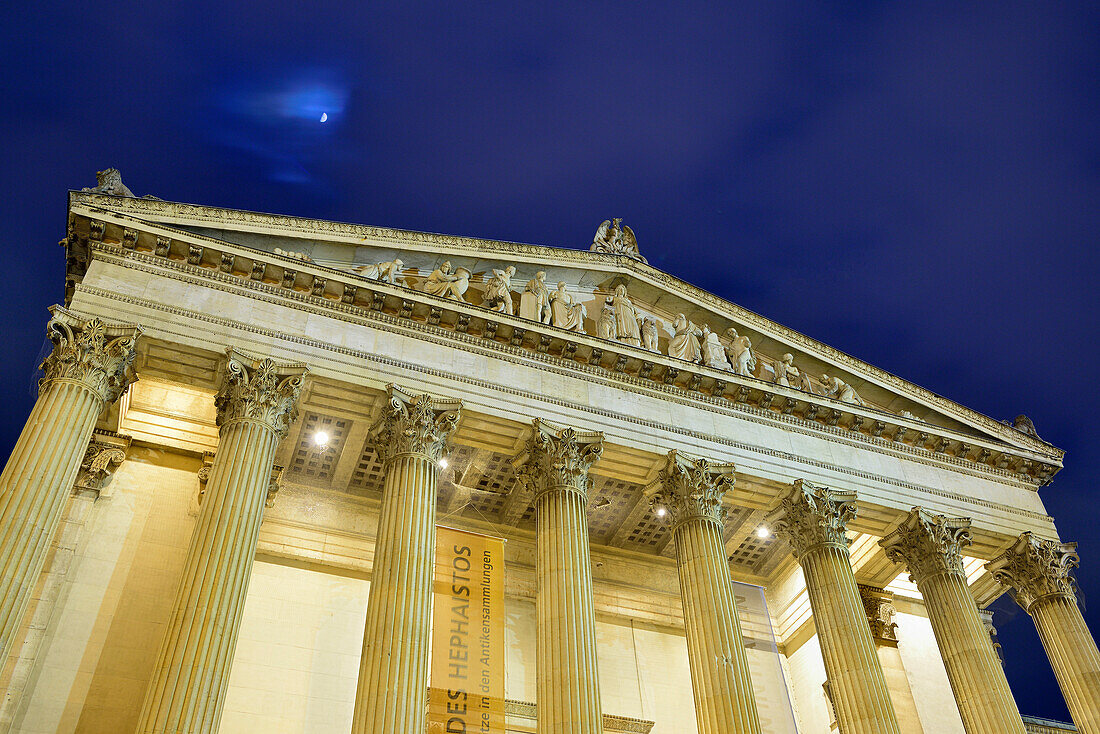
1038	572
410	436
1072	652
976	676
90	366
813	520
555	467
724	700
191	675
690	491
393	673
860	695
930	546
568	682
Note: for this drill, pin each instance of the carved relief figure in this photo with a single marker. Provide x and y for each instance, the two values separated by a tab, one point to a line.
842	391
498	291
534	304
685	343
387	272
616	240
649	333
714	354
294	254
605	325
443	282
741	355
565	312
786	374
626	318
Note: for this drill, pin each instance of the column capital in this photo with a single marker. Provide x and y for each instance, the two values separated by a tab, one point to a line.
691	488
90	351
259	390
104	450
557	458
413	424
881	613
809	516
1034	568
928	544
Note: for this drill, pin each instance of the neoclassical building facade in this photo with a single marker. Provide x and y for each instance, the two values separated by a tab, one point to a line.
223	511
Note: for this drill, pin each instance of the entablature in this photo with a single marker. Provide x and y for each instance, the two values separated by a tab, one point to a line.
320	288
333	245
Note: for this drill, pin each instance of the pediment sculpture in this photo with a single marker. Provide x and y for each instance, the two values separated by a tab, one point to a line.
614	239
386	272
448	283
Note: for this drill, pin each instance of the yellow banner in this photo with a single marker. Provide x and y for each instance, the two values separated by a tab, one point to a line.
467	689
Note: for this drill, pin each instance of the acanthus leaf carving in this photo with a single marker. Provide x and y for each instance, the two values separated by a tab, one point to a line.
691	489
558	459
259	390
1034	568
881	613
99	355
414	424
928	544
103	452
809	516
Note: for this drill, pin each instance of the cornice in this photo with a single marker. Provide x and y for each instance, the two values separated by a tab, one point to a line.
359	234
515	355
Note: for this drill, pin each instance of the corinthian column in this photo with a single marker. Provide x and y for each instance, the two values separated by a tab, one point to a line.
409	437
90	366
1037	573
555	466
256	404
691	491
813	520
930	546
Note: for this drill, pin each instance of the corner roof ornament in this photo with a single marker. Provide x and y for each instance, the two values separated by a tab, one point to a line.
614	239
110	182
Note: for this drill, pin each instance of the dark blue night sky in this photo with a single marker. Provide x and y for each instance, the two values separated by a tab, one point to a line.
917	184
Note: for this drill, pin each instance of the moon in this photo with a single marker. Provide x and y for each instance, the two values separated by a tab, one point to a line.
324	117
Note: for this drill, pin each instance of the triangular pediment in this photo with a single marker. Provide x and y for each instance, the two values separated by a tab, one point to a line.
591	278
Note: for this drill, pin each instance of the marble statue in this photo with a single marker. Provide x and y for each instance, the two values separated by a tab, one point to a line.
786	374
741	354
110	182
614	239
293	254
498	291
565	313
842	391
534	304
714	354
649	334
453	285
685	342
605	325
387	272
626	318
1023	424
